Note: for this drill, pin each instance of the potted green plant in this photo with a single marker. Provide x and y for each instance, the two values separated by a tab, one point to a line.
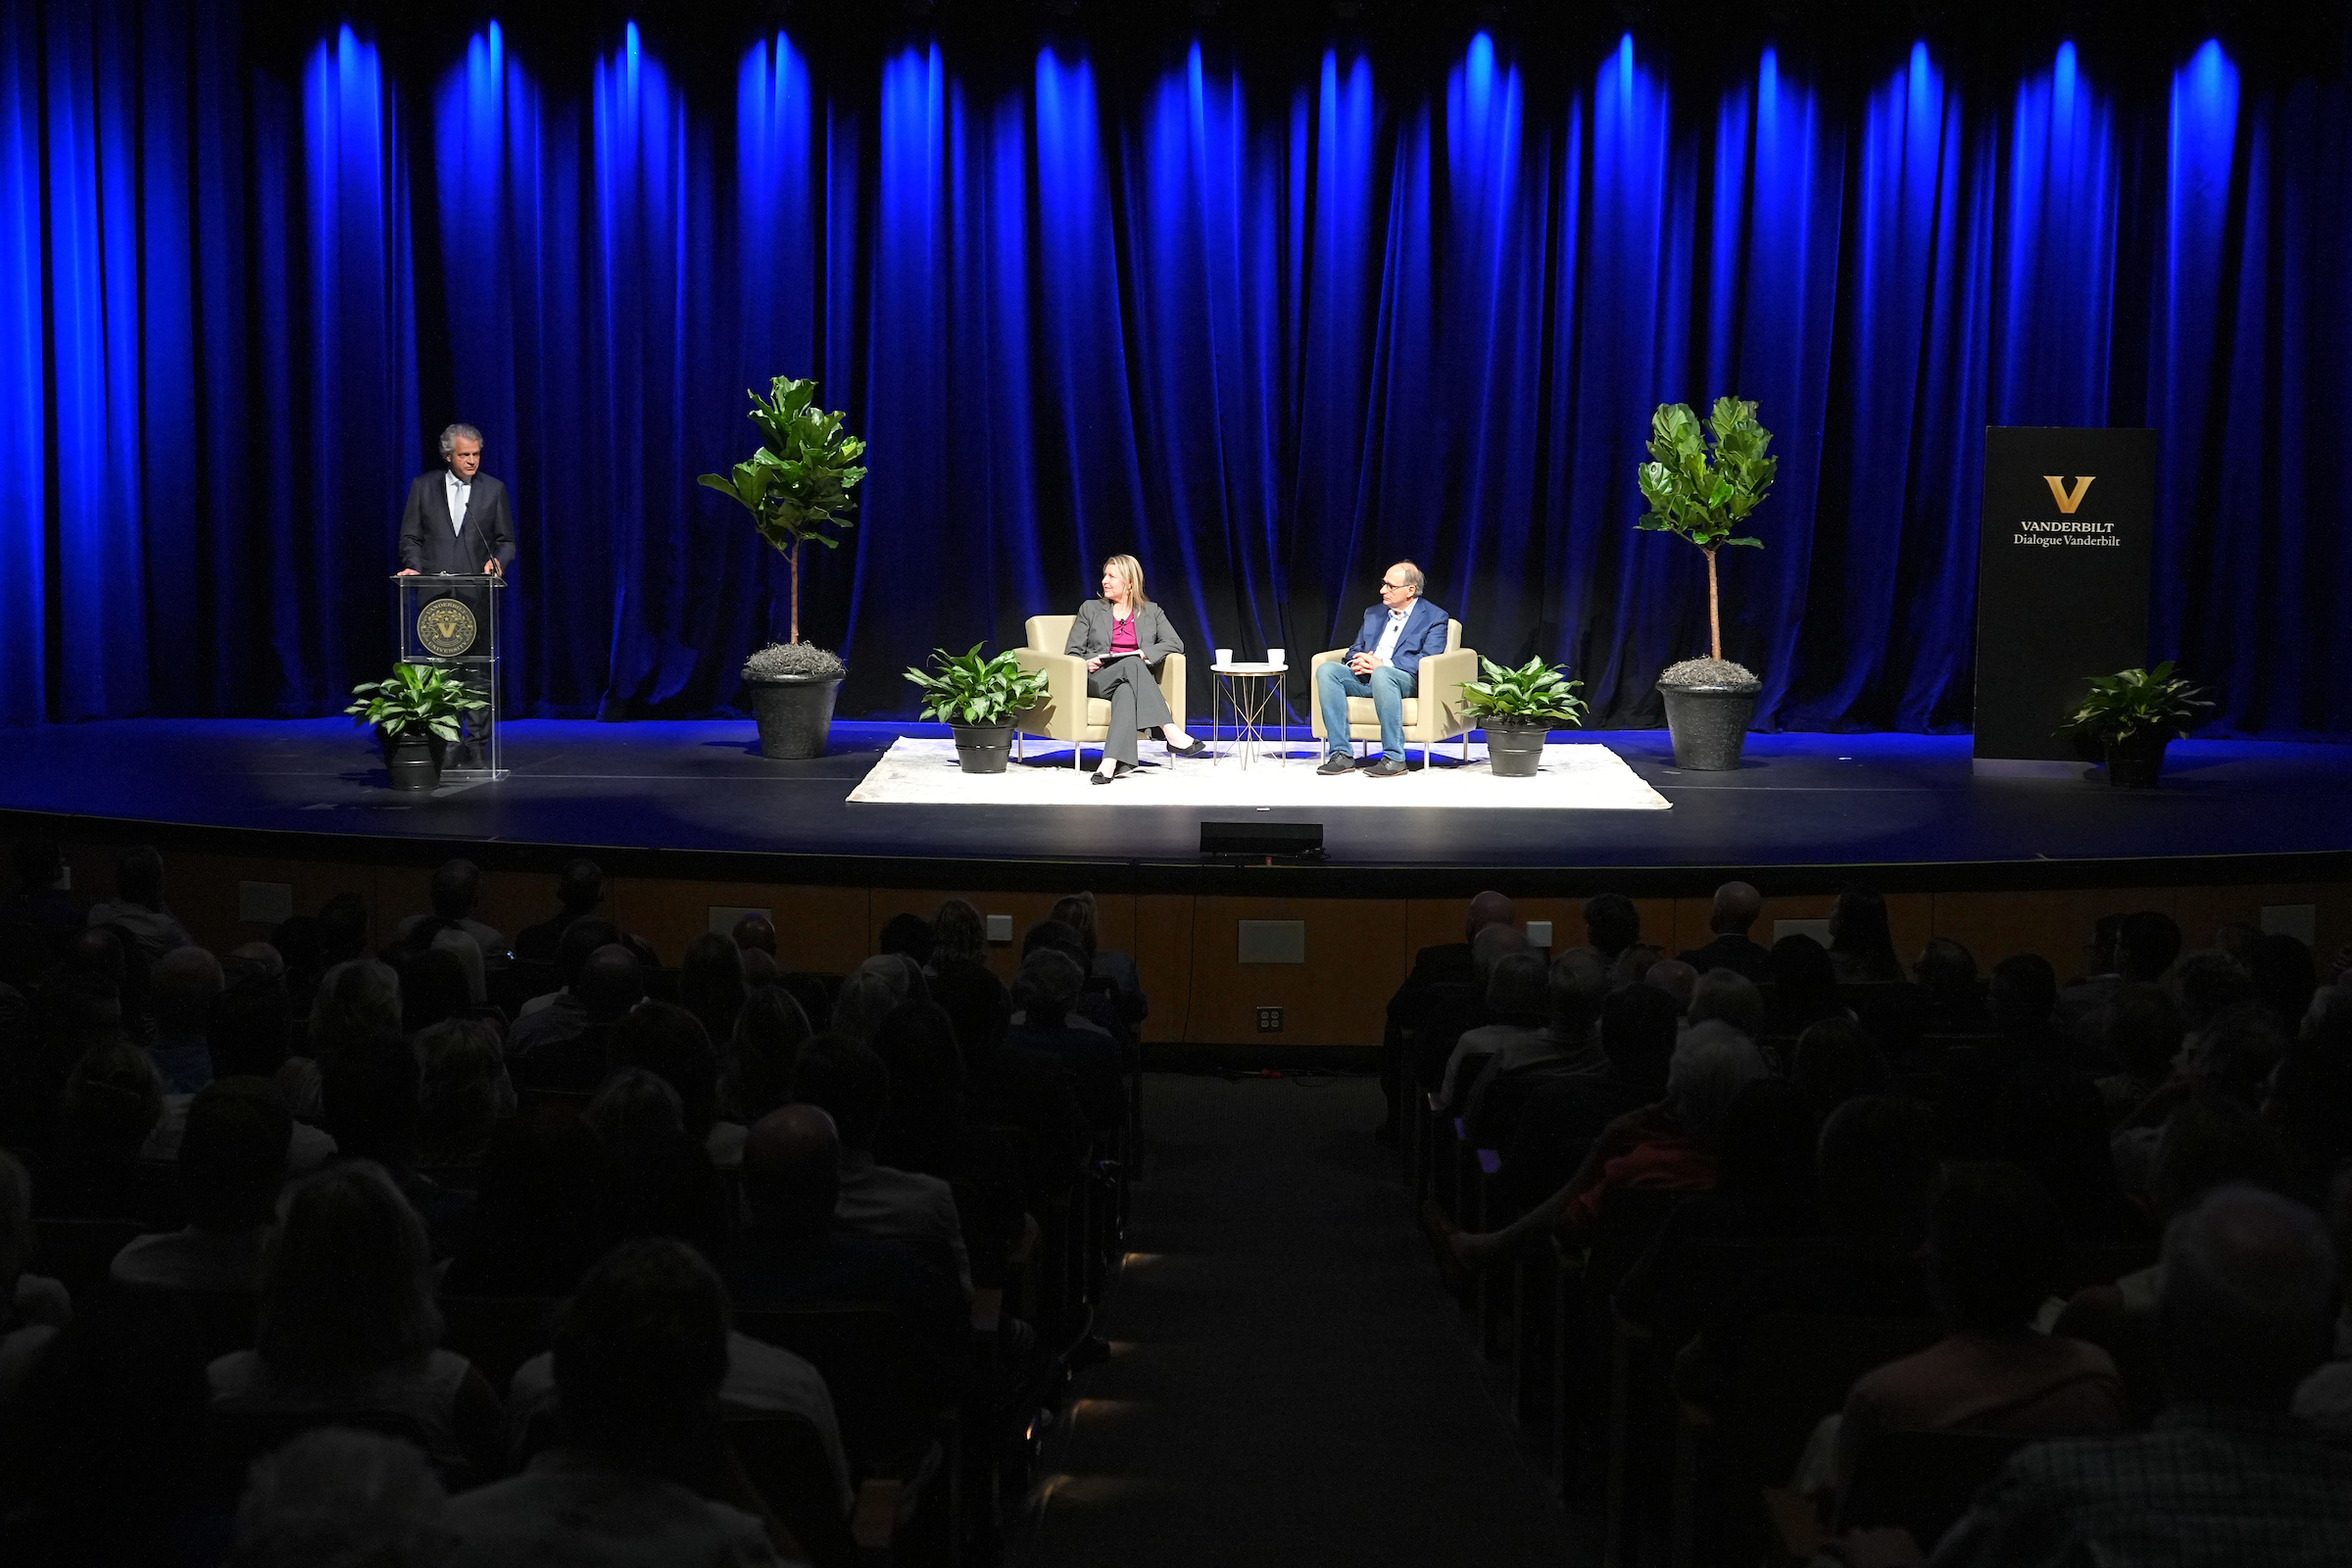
1517	709
979	698
2132	716
796	489
417	711
1702	483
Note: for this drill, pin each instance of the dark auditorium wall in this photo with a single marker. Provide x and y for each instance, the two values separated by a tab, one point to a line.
1271	308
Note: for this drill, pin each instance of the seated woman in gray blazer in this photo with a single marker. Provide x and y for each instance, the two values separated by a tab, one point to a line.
1121	635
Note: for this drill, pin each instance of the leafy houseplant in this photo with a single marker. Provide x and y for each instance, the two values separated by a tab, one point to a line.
2134	715
1518	707
979	698
417	711
796	489
1703	483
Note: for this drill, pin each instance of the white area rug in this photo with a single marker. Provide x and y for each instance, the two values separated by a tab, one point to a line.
1584	776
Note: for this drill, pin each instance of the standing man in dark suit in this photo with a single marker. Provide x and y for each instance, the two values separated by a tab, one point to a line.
456	519
1384	664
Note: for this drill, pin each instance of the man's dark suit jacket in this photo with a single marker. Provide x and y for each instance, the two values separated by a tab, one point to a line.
1729	950
426	542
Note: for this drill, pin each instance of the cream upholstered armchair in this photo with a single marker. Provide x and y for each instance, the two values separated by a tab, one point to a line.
1433	714
1067	713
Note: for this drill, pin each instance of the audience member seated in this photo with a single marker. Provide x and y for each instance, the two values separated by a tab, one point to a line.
846	1080
2143	1032
1835	1062
1730	917
959	939
1008	1087
2209	984
2228	1477
1894	1017
1996	1251
906	933
436	984
656	1179
584	937
2143	946
348	1322
2323	1400
337	1495
794	1250
1634	964
640	1359
1459	1009
1676	978
372	1090
1575	987
1861	941
571	1051
755	933
579	891
1804	986
1764	1192
299	941
232	1158
1876	1166
34	1311
138	908
1517	1004
869	994
669	1041
1726	996
539	1217
249	1032
356	1000
1671	1146
1114	971
1044	995
1094	1008
456	889
1612	924
1948	973
1560	1119
112	1102
2285	977
1439	969
185	982
39	901
463	1093
924	1130
711	984
756	1075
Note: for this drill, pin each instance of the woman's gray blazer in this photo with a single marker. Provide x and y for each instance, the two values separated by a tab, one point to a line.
1090	634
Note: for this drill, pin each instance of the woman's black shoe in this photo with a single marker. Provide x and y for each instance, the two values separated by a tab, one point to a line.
1120	770
1199	748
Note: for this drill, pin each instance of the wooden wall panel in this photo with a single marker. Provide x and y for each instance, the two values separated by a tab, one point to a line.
1356	953
1162	950
824	929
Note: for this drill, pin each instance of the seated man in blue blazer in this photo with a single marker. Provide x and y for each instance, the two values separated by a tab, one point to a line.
1384	664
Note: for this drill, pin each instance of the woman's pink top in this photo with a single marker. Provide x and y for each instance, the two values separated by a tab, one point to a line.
1122	635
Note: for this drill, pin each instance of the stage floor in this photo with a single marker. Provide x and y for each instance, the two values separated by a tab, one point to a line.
696	799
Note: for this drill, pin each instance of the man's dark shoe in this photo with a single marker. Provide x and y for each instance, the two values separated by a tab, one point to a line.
1387	767
1335	763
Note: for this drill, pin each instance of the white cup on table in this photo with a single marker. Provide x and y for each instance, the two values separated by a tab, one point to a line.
1274	655
1224	655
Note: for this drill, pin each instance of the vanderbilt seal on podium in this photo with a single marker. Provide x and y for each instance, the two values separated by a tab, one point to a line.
445	627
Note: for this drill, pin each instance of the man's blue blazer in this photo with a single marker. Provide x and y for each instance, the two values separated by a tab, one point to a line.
1424	634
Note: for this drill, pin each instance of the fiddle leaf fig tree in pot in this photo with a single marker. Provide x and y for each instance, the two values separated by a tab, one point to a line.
418	712
1702	482
1517	709
978	699
796	489
2132	715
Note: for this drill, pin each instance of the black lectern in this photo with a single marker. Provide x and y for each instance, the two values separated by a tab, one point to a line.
452	621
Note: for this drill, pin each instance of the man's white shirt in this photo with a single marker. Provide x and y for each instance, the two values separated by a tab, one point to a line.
1388	638
460	493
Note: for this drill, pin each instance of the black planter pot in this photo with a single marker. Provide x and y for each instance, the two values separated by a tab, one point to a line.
1709	724
1514	750
2137	763
413	761
794	713
982	748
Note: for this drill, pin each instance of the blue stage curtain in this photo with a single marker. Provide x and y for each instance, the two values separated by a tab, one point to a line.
1268	316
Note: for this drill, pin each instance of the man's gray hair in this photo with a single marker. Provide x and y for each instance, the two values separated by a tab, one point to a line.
1712	1064
336	1498
1411	575
454	435
2247	1303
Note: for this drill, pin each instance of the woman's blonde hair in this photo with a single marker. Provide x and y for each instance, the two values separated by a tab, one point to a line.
1131	571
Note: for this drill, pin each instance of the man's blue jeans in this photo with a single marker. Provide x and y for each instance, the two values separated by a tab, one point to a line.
1387	686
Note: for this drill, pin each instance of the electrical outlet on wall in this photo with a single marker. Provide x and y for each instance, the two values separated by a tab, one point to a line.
1269	1021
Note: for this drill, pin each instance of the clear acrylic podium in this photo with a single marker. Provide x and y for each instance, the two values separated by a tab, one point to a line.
452	621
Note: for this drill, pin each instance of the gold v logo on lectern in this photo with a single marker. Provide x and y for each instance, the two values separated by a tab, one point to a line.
2068	500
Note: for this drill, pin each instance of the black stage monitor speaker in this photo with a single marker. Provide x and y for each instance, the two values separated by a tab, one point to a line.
1287	841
